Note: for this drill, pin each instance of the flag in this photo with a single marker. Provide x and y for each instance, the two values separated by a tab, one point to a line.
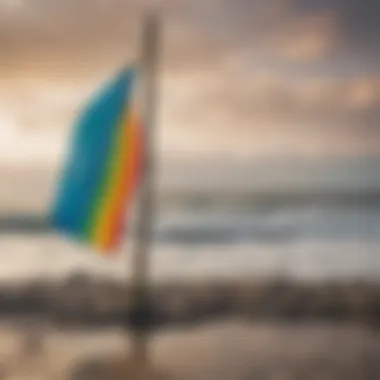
102	169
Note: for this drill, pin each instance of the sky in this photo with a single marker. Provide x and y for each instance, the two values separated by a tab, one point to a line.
244	79
242	83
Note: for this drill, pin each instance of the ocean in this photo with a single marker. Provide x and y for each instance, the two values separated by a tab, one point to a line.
305	238
304	220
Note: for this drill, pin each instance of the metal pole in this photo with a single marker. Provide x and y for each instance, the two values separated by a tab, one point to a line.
146	208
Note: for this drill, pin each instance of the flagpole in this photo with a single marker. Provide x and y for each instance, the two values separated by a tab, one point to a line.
140	318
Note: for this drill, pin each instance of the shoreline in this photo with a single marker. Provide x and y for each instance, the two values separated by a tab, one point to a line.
82	301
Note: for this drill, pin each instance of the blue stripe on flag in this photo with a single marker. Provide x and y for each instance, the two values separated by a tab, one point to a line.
88	156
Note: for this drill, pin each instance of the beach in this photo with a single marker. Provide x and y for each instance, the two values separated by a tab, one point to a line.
227	350
75	329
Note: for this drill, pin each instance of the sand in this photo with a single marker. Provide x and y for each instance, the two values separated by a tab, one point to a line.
229	350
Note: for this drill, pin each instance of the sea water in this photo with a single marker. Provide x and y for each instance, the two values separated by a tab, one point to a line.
308	240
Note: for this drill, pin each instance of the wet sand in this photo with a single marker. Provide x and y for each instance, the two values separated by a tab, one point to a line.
229	350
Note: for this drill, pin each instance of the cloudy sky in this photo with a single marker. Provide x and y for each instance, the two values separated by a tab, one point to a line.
292	82
245	78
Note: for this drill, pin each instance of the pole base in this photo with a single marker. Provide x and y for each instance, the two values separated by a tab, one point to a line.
141	315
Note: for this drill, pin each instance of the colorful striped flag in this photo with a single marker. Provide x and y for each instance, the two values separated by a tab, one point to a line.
103	167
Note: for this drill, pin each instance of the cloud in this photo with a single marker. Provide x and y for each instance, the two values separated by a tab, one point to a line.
199	32
242	76
307	38
360	25
272	114
65	35
11	5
